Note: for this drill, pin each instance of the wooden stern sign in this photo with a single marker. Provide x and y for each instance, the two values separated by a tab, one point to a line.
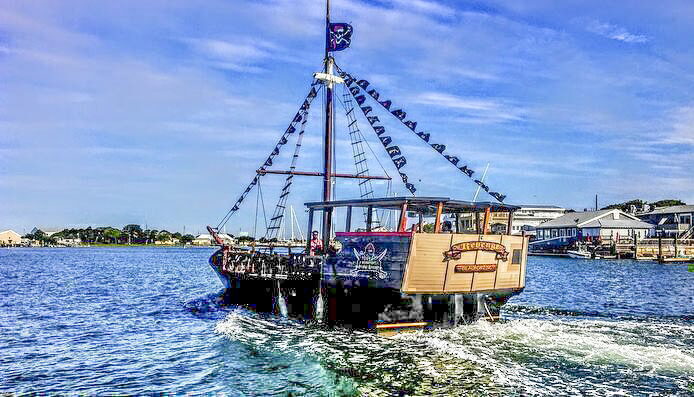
457	249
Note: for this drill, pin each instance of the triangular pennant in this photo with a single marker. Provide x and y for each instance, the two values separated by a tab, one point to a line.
305	105
453	160
255	180
360	99
276	151
268	162
363	83
482	185
354	90
411	187
235	208
312	94
372	119
379	130
248	189
366	110
400	162
393	151
403	176
424	136
347	78
283	141
297	118
399	114
374	94
385	140
411	124
438	147
386	104
498	196
466	170
290	130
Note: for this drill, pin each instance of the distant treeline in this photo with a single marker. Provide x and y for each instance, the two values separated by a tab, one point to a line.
640	203
130	234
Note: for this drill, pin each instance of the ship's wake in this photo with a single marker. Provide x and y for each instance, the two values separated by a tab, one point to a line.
556	356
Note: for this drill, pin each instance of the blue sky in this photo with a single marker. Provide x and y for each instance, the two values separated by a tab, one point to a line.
158	112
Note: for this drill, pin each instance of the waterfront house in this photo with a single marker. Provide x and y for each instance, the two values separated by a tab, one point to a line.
10	238
593	225
529	217
206	239
674	221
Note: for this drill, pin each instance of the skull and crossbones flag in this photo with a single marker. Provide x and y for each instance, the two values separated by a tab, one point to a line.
339	36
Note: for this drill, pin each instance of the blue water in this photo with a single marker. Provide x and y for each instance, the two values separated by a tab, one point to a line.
144	320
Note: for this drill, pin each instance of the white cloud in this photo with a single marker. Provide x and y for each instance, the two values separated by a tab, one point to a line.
428	7
482	111
615	32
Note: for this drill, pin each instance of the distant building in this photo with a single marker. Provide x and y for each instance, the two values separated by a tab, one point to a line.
10	238
529	217
47	231
677	220
525	219
206	239
603	224
202	239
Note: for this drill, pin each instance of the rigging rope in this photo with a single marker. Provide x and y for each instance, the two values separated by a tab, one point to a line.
268	162
278	214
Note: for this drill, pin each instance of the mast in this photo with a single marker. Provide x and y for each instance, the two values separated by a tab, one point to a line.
328	139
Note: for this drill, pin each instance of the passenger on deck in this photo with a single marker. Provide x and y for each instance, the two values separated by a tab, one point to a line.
316	246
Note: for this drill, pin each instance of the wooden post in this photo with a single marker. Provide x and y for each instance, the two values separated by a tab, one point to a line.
439	212
660	246
675	256
348	222
420	223
510	223
487	216
309	230
457	222
402	223
369	217
477	222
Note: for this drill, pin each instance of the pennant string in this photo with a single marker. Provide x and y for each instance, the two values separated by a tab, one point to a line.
400	114
299	117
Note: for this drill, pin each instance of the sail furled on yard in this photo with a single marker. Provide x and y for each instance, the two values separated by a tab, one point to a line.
356	86
339	36
299	117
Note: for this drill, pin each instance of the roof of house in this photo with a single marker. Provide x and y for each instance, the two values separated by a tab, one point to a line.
675	209
618	224
597	219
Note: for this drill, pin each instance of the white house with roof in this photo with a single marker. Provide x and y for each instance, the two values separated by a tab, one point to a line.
10	238
674	221
206	239
603	224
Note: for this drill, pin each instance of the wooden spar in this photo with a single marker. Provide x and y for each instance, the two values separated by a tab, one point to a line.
487	218
402	223
439	212
215	236
310	173
328	143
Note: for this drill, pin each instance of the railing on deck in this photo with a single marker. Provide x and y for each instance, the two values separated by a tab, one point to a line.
262	265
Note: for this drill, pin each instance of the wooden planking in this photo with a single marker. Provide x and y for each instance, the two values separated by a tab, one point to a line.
461	282
426	269
484	281
509	274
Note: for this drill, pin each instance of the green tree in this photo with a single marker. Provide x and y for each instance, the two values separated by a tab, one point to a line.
668	203
112	234
164	235
187	238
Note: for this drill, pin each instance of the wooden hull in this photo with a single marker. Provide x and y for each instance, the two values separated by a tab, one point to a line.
382	280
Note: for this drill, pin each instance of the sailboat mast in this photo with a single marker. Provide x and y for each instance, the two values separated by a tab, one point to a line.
328	139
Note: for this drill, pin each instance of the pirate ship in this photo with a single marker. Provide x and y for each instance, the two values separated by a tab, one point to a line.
374	276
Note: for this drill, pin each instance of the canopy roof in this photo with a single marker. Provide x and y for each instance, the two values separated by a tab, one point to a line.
424	204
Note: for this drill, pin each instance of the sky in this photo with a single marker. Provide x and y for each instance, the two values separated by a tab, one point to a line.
159	112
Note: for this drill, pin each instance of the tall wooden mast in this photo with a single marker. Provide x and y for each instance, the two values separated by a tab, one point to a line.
328	140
